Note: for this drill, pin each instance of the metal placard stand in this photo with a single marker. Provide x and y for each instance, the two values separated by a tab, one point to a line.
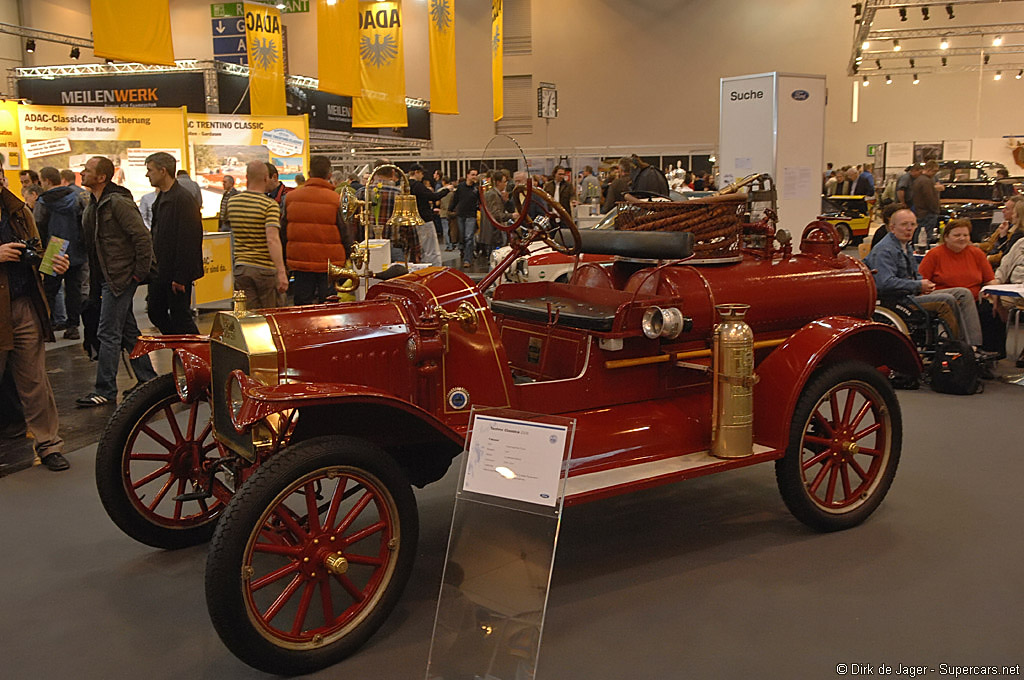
501	550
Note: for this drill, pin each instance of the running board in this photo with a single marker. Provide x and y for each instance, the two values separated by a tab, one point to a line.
606	483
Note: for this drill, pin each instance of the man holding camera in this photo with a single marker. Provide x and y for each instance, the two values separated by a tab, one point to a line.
25	325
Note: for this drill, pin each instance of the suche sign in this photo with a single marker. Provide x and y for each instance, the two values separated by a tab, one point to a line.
749	94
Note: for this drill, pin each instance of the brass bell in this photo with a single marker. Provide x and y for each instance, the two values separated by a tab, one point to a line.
405	214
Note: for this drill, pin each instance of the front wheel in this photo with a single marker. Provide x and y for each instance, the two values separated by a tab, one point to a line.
153	450
311	555
845	235
844	447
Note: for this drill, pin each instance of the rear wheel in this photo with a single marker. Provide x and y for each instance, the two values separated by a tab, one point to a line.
844	447
154	449
311	555
845	234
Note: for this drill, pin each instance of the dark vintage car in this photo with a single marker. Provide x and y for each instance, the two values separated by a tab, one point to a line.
974	191
293	437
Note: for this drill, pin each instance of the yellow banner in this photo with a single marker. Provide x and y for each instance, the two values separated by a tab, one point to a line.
497	51
265	45
337	34
443	95
129	30
10	143
382	65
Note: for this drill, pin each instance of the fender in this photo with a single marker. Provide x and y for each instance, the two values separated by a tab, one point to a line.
263	400
197	344
787	369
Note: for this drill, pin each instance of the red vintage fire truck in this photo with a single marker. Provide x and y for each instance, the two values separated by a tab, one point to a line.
293	437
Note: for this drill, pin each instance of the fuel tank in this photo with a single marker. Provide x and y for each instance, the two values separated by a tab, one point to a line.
783	293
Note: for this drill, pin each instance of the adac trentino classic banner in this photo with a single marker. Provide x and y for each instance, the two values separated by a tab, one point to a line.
265	44
443	95
382	64
497	52
129	30
337	34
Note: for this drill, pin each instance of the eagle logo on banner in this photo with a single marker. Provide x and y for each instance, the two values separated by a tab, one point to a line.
440	14
264	52
379	51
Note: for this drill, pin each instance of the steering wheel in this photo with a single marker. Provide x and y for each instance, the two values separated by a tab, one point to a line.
545	226
485	184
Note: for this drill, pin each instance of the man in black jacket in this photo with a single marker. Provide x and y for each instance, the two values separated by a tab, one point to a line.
465	204
177	246
425	199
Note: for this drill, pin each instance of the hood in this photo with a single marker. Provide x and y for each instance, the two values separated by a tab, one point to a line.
60	199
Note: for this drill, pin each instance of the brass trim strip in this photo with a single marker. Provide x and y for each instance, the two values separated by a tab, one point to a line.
677	356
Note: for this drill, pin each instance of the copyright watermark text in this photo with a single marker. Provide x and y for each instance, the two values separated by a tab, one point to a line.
917	671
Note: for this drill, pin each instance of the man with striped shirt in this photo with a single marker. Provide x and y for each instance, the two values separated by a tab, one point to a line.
259	258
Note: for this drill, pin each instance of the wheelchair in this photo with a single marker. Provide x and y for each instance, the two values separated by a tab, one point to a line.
925	324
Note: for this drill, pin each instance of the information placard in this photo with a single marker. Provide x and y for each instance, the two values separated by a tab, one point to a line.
515	459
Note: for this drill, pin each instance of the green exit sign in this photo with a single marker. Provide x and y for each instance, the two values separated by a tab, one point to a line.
236	9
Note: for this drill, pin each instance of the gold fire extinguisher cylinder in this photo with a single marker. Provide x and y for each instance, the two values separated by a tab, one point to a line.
733	408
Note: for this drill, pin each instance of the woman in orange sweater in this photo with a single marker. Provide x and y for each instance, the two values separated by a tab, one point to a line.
956	263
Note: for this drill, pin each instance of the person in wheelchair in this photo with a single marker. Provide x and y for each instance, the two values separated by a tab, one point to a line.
896	276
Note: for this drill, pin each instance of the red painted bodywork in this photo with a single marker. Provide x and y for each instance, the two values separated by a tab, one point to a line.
393	353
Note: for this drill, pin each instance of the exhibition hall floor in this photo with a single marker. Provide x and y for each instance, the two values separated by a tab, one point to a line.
710	578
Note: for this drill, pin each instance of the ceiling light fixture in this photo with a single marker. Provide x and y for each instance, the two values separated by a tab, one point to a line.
30	45
865	82
997	41
998	75
913	64
896	47
857	9
865	45
924	13
944	45
888	79
903	13
944	61
1020	74
985	58
916	79
949	11
878	64
75	53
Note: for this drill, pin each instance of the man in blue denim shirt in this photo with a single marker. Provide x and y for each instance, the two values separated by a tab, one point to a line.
896	275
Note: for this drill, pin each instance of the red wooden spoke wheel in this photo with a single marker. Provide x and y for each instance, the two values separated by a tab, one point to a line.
154	449
311	555
844	447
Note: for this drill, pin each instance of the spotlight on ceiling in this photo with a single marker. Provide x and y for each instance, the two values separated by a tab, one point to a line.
30	45
865	45
857	9
944	45
916	79
888	79
924	13
997	41
1020	74
944	61
896	47
903	13
912	64
878	64
949	11
109	62
998	75
865	82
75	53
986	58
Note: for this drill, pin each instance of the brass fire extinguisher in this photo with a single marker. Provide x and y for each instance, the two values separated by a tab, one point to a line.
733	408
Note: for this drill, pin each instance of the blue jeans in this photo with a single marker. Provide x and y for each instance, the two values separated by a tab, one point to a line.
467	235
118	330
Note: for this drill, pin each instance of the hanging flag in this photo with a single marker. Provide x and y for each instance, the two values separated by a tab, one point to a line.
443	96
382	64
264	42
128	30
497	52
337	46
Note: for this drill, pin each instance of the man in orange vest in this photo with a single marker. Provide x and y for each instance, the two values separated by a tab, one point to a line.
316	232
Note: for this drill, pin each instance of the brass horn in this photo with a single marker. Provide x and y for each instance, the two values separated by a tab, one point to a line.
343	279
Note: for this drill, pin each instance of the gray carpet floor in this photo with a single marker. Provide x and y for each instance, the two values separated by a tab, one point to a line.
710	578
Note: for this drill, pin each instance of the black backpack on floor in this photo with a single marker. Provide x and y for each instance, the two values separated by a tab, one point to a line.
954	369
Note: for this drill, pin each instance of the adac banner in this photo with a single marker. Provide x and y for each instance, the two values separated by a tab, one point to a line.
223	144
264	40
147	90
382	60
10	141
66	137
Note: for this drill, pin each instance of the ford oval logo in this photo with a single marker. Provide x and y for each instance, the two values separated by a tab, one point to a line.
801	95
